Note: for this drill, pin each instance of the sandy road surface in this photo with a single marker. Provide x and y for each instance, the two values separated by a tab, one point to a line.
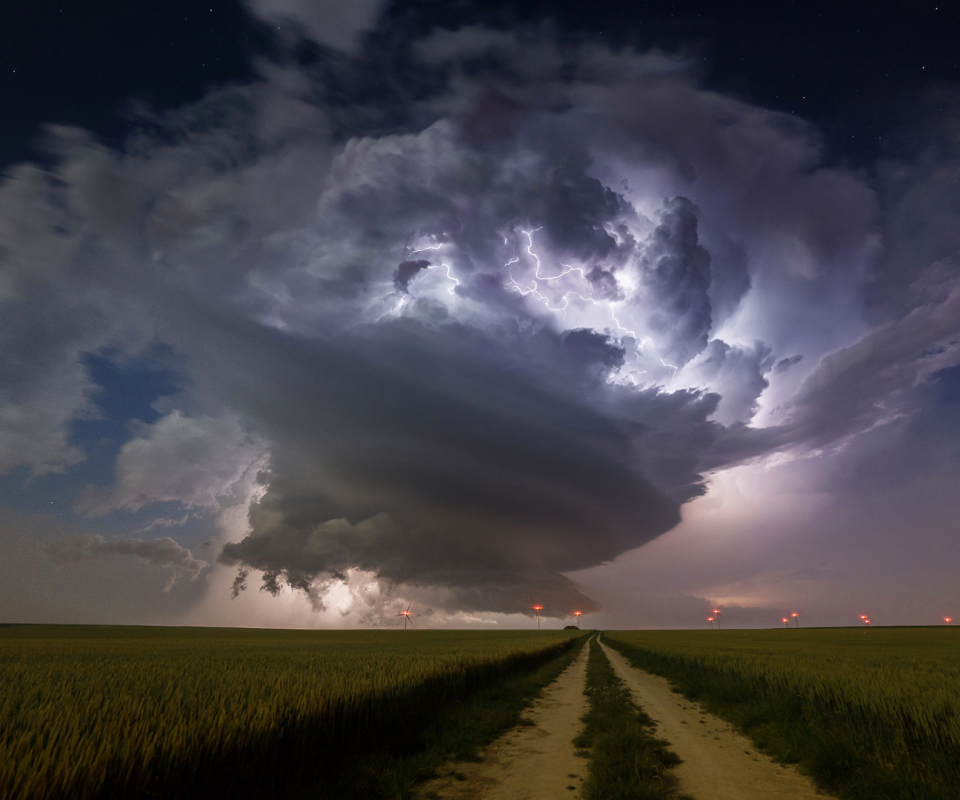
718	762
530	762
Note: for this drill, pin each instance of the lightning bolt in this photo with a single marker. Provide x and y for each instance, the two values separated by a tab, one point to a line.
670	366
567	269
534	291
404	298
396	309
446	267
424	249
456	283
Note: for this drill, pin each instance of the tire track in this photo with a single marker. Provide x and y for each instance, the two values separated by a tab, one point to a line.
719	762
534	761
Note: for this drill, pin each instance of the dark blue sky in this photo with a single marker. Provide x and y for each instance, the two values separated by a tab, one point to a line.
859	70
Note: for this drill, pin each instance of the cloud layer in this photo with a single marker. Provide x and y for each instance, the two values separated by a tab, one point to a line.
467	348
163	552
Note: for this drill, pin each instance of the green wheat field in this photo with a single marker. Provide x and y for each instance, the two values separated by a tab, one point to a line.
870	713
103	712
117	712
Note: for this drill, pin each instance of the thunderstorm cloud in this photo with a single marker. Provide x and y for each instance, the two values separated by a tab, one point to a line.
467	348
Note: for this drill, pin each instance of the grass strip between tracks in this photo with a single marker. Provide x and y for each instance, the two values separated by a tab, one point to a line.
627	762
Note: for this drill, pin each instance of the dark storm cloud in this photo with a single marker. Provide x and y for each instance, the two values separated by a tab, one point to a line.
672	432
590	349
538	396
481	462
737	374
506	450
163	552
475	577
576	208
440	185
785	363
604	283
677	275
919	202
406	271
729	274
867	384
858	383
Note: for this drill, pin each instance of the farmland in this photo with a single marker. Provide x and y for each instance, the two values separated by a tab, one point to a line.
869	713
101	712
104	712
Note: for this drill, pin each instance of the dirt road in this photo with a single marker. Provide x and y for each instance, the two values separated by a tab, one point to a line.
718	762
530	762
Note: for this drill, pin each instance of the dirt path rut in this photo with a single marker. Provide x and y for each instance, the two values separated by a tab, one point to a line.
719	763
530	762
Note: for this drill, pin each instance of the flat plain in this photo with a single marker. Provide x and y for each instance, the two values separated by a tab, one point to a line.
104	712
867	712
140	711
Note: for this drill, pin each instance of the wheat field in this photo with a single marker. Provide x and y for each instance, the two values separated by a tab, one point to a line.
104	712
874	713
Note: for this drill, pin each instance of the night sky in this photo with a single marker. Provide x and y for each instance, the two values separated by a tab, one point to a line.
316	310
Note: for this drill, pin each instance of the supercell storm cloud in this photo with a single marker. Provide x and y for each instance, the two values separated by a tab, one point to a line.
499	329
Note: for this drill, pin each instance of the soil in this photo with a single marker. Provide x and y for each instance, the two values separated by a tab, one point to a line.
719	763
534	761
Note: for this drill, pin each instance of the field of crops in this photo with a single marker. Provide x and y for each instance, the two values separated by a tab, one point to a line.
870	713
106	712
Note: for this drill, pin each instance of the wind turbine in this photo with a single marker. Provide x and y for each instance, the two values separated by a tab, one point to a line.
578	614
796	618
716	613
405	615
538	609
